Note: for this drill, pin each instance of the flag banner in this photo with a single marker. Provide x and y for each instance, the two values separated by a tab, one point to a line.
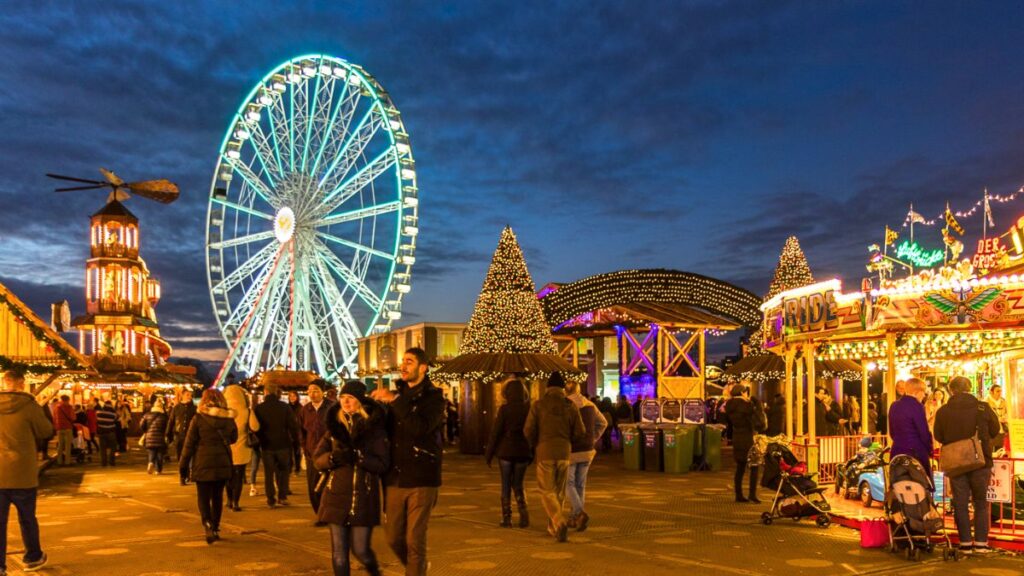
915	217
890	236
952	223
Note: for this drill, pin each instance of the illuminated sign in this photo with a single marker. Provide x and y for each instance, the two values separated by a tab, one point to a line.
990	252
810	312
913	253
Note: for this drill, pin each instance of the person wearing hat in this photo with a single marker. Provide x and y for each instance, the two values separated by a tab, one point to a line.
154	440
312	427
552	426
350	459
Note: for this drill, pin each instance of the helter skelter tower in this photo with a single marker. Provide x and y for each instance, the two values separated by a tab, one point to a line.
120	324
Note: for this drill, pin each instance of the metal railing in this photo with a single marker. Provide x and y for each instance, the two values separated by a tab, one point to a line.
831	451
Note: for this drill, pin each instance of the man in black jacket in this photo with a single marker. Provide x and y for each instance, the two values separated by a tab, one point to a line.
415	422
278	433
959	419
177	426
312	427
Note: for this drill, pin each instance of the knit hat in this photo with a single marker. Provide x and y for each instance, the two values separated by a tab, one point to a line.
353	388
556	380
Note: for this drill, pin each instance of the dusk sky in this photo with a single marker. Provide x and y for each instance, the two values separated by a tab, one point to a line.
694	136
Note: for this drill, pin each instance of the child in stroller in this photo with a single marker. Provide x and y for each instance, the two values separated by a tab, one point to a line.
915	523
867	459
796	494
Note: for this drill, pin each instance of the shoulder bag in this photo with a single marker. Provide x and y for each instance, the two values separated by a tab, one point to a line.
963	456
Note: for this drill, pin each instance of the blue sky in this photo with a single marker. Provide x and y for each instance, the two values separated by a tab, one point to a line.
692	135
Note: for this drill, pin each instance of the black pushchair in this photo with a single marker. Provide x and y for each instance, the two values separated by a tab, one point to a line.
796	493
914	521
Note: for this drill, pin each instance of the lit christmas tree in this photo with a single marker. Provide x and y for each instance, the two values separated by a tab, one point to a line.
791	272
508	316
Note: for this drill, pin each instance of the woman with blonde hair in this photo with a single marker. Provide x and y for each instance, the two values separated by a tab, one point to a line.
207	452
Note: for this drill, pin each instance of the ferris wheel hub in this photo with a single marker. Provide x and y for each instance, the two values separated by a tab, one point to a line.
284	225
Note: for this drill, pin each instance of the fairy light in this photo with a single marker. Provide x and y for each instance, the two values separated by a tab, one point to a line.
966	213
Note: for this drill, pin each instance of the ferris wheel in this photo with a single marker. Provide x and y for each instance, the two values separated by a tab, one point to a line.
312	219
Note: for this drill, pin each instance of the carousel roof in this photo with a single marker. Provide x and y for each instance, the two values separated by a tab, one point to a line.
772	366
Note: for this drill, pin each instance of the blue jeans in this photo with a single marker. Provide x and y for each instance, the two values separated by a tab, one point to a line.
24	500
512	476
967	488
576	485
355	539
156	458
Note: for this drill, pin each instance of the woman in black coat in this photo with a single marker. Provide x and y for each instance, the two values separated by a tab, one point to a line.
514	454
740	413
153	427
352	456
207	450
777	416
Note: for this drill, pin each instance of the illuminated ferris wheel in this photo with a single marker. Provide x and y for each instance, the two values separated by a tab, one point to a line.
312	218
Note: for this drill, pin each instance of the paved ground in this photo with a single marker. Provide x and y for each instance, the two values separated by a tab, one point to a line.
98	521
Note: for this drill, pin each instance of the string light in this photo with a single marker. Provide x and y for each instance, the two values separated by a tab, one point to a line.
964	213
791	272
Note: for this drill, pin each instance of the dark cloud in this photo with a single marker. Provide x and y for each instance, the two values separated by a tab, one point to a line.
694	136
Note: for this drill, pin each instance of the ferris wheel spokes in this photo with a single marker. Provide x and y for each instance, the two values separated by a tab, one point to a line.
355	245
350	278
358	214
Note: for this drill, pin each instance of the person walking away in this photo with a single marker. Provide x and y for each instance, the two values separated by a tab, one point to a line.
415	421
90	422
124	425
241	453
739	412
106	429
154	440
177	426
623	415
23	425
582	455
64	422
206	457
608	411
998	403
296	405
959	419
513	451
352	455
278	434
908	425
312	427
552	426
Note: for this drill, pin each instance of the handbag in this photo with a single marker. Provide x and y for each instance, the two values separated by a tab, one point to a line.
963	456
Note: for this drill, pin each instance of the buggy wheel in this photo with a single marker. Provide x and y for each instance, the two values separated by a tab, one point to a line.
766	518
823	521
909	553
945	554
864	493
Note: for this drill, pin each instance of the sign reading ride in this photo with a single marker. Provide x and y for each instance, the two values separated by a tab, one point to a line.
1000	486
810	312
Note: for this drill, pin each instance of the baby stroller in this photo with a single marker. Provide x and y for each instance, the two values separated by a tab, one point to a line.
796	494
915	523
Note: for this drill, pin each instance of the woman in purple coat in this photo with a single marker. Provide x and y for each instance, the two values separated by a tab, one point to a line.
908	425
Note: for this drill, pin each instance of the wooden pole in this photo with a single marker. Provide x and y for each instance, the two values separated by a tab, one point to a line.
864	428
800	397
811	407
890	372
787	391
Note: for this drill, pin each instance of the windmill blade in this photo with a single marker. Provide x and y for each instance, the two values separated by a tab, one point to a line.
163	191
73	188
60	177
111	177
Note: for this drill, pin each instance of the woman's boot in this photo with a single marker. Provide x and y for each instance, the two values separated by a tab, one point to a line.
210	535
506	513
752	496
524	514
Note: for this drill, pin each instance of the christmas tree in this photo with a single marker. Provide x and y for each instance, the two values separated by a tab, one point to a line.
791	272
508	316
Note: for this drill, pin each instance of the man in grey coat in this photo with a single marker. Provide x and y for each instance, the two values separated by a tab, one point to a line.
24	424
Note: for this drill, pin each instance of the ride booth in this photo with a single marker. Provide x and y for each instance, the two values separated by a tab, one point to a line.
954	321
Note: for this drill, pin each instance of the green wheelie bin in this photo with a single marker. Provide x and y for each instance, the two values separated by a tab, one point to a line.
713	443
679	443
632	447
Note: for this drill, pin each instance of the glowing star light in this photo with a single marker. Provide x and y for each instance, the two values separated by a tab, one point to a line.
284	224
